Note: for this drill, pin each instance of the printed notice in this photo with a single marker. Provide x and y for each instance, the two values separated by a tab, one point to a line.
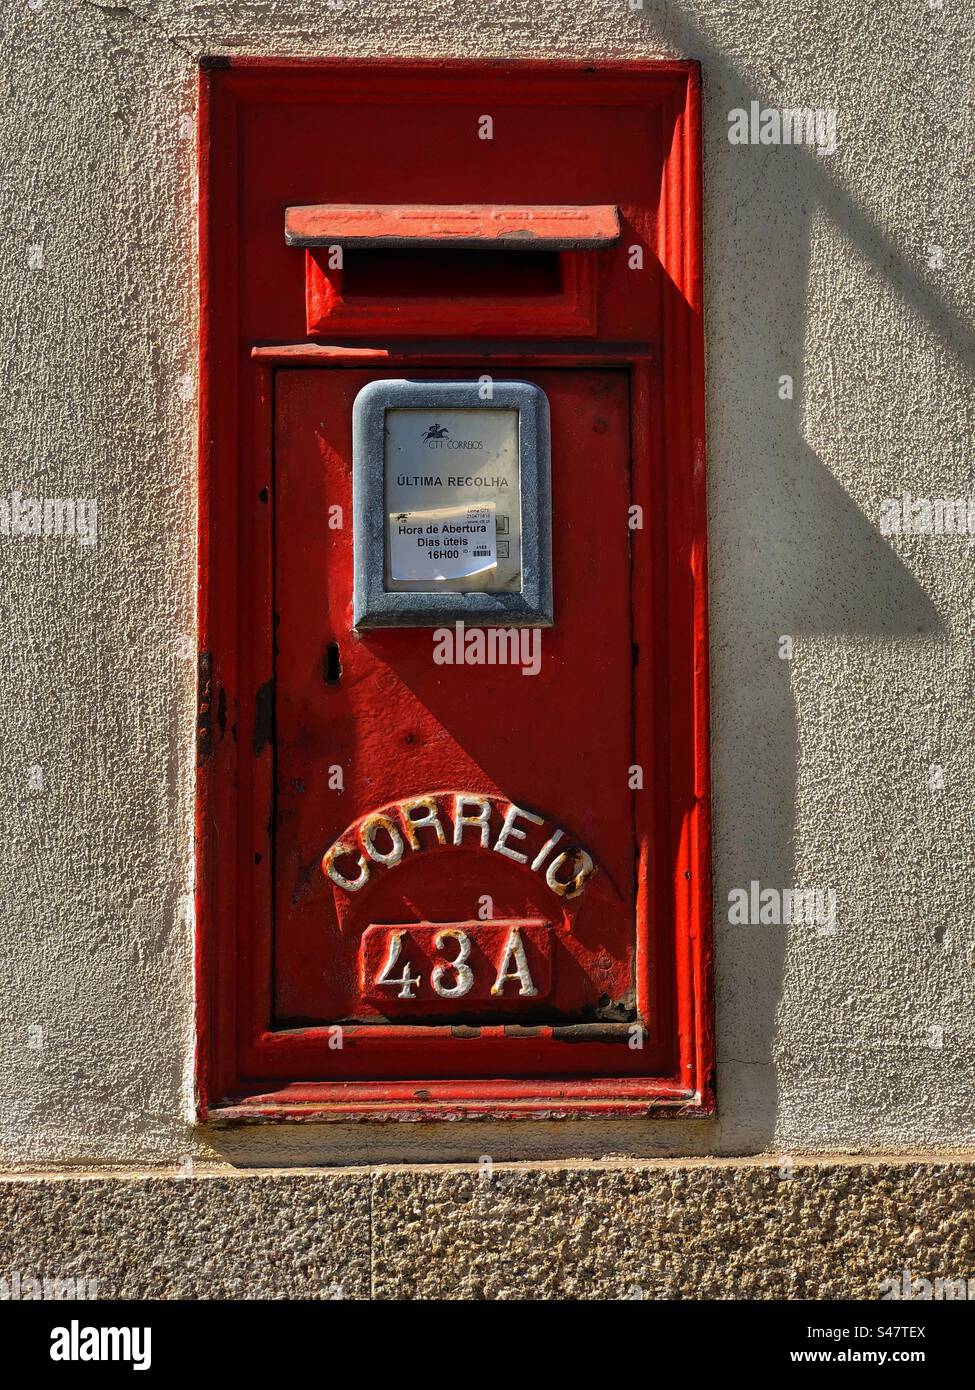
452	487
443	543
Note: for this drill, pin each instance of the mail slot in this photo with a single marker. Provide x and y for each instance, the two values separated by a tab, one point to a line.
452	822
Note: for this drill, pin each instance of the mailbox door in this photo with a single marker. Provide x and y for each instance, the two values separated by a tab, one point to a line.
441	928
437	880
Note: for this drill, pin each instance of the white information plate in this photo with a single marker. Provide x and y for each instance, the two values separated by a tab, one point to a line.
445	543
453	500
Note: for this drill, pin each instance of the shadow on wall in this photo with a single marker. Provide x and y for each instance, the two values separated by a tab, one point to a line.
791	554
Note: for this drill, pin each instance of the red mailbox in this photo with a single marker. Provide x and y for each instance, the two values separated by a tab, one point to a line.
453	836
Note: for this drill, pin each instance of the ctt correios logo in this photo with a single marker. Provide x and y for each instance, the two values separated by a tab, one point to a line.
438	437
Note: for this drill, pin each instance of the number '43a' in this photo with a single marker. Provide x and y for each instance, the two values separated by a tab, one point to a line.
453	977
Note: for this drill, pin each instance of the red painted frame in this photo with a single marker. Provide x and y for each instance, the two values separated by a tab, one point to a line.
243	1067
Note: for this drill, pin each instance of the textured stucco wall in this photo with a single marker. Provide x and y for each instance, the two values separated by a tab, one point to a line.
817	267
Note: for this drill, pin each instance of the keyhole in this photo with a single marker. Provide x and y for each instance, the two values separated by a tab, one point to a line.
332	664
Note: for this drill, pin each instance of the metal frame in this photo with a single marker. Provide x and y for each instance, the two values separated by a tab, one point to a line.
374	605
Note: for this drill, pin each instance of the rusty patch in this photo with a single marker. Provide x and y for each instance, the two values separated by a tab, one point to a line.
263	718
204	707
593	1032
615	1010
